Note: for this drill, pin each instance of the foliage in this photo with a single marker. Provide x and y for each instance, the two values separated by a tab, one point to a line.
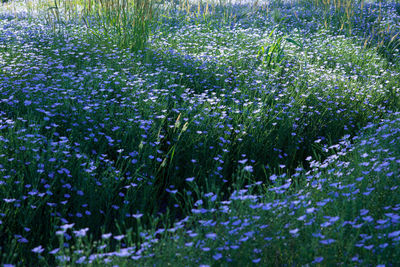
138	132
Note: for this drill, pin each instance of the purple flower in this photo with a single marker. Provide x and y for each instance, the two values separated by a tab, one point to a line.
106	236
81	232
54	251
318	259
217	256
327	241
369	247
248	168
38	249
67	226
294	231
119	237
212	236
190	179
394	234
137	216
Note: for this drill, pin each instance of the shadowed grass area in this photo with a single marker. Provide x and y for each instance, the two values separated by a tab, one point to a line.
335	214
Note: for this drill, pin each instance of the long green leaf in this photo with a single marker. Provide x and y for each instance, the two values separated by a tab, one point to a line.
290	40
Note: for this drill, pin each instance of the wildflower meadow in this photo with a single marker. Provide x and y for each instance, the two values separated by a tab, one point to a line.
199	133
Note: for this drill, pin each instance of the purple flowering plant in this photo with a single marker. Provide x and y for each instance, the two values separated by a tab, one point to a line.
145	133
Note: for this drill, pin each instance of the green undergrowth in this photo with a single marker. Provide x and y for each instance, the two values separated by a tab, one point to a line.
106	137
342	211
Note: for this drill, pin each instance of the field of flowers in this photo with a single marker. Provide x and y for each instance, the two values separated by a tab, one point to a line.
142	133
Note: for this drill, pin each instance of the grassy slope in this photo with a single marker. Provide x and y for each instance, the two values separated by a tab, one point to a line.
343	211
200	104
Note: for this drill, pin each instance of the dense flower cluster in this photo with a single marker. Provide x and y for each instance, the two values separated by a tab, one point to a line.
318	212
99	143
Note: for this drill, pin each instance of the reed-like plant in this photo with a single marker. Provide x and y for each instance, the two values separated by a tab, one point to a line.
340	12
125	23
274	54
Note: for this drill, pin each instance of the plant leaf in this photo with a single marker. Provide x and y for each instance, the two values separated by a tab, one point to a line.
290	40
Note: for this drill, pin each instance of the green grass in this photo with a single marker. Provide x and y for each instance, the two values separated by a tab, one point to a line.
338	199
198	121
